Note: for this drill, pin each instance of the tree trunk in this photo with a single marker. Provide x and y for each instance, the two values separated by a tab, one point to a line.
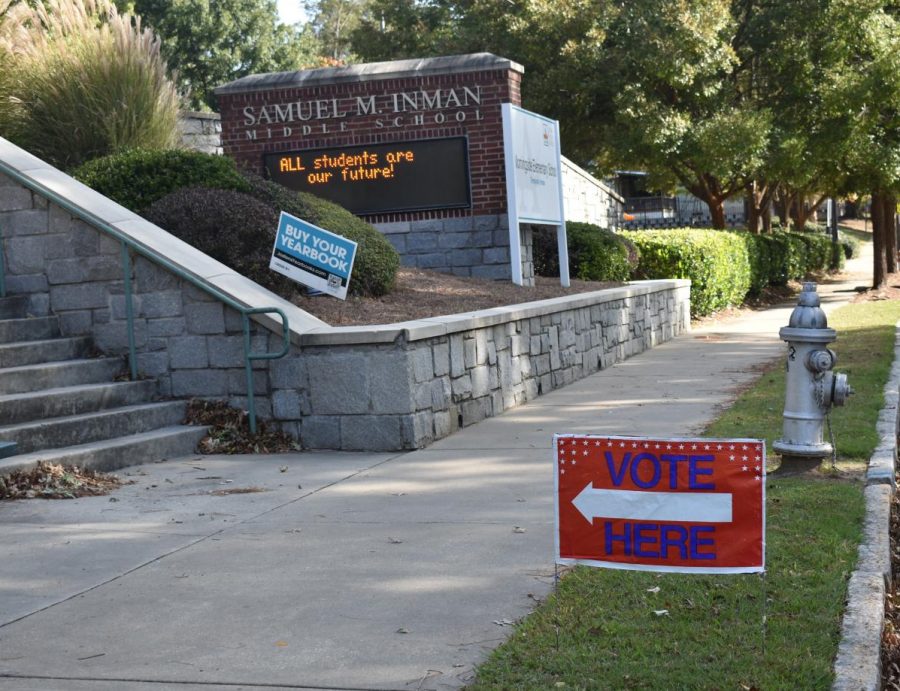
879	269
803	214
751	204
890	232
767	219
717	213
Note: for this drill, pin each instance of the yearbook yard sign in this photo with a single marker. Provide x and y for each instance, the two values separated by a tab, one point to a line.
313	256
685	505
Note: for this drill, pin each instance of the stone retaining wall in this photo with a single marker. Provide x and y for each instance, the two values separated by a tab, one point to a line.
396	386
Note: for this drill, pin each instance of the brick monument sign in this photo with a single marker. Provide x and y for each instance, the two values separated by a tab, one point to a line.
413	146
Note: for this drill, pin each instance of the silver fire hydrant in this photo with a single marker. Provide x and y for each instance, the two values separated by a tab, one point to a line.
812	386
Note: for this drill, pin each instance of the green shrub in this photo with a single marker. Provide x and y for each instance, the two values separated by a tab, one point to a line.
138	177
88	81
849	243
233	227
717	262
595	253
376	264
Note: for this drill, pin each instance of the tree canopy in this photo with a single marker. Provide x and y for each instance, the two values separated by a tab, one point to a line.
208	43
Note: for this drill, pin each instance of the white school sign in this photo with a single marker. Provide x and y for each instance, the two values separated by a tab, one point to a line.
533	181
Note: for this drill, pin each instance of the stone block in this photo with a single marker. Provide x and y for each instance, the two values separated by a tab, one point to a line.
464	257
286	404
431	225
288	372
476	410
461	387
26	222
422	242
481	384
417	430
371	433
469	350
164	328
338	384
113	337
398	241
15	198
25	255
199	382
205	318
237	382
493	272
457	356
76	323
78	297
320	432
39	304
390	385
483	239
496	255
153	364
393	228
455	240
441	355
491	222
422	364
441	393
444	424
151	277
226	351
188	352
66	271
457	225
433	260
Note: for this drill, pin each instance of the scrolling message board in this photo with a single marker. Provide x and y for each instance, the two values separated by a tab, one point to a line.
380	178
686	505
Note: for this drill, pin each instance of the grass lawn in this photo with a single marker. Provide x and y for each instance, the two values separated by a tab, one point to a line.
600	631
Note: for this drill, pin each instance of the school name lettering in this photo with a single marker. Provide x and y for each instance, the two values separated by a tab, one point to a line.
399	109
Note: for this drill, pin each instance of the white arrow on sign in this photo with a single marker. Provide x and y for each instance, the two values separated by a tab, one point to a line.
688	507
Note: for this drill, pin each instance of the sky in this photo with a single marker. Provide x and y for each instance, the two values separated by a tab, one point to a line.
291	11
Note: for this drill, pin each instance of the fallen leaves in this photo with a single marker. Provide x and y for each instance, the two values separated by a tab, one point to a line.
229	431
53	481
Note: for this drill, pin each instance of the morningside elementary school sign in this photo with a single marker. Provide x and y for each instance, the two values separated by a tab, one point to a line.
313	256
681	505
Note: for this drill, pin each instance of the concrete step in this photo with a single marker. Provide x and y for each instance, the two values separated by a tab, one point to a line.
59	374
55	433
14	307
73	400
28	329
53	350
112	454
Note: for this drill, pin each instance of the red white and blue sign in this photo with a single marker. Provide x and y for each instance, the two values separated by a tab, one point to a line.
680	505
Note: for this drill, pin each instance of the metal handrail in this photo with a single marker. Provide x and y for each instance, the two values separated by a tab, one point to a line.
129	243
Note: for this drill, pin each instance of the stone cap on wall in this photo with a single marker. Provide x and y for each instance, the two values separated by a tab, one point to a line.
371	71
151	240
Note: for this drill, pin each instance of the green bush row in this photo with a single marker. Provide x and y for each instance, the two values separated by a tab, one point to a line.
727	266
233	216
595	253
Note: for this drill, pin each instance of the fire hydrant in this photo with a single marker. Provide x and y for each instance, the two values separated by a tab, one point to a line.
812	387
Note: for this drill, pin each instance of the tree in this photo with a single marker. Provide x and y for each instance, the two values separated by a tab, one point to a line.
333	22
209	43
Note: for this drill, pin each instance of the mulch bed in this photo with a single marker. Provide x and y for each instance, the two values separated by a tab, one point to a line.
420	294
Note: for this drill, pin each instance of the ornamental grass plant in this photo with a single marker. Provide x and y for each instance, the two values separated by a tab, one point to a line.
81	80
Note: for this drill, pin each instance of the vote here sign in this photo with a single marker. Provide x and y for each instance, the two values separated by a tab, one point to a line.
685	505
313	256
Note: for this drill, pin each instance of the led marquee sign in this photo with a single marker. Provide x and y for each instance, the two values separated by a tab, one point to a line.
380	178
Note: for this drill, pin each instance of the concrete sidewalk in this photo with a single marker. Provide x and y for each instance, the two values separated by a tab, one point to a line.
350	571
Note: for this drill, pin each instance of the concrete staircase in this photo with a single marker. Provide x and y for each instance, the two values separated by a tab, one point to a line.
60	404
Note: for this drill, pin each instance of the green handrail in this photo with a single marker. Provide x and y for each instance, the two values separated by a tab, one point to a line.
129	244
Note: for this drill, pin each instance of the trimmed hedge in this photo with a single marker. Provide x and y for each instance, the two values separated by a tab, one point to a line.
726	266
716	261
138	177
595	253
233	227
